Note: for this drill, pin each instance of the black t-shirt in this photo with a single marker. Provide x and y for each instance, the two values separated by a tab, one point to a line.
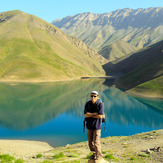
94	123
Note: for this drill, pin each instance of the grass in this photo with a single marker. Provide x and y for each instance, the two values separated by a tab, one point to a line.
30	52
143	155
61	155
116	50
73	161
104	152
88	156
19	161
112	152
133	158
6	158
109	156
153	85
47	161
73	155
39	156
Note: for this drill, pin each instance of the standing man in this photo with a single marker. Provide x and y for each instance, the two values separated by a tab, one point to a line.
94	110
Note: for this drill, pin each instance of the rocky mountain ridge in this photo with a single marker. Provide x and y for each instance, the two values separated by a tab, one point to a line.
140	27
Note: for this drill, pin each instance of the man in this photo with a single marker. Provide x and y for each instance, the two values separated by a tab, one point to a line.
94	110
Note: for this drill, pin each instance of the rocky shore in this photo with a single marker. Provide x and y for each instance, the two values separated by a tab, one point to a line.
145	147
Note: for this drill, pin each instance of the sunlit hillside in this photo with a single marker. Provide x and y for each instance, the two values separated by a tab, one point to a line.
33	49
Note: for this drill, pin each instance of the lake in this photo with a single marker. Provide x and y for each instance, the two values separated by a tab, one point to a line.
53	112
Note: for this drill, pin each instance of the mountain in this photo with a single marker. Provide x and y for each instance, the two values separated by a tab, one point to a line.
33	49
117	50
143	71
139	28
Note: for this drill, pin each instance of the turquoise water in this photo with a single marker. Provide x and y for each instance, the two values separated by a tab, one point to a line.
53	112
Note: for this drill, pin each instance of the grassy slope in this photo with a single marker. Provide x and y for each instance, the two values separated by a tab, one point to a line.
31	48
116	50
146	77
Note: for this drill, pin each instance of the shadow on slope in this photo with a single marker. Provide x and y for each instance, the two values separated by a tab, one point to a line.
139	67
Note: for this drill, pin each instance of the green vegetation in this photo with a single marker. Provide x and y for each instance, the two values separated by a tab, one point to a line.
60	155
143	72
117	50
47	161
19	161
104	152
109	156
133	158
112	152
73	155
39	155
32	49
6	158
143	155
73	161
90	154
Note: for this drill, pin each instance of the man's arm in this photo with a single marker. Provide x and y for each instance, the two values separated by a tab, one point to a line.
93	115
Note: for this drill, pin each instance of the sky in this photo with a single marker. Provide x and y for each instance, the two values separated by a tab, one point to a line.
50	10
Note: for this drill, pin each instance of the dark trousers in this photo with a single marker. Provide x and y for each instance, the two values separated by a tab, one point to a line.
94	142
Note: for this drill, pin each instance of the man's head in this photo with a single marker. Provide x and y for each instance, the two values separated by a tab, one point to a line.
94	96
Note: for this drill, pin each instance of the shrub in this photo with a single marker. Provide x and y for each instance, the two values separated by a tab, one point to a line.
132	158
6	157
103	152
57	156
39	156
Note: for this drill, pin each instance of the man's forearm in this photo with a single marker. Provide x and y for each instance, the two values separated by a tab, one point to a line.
93	115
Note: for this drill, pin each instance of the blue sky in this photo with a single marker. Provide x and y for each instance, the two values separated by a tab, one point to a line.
54	9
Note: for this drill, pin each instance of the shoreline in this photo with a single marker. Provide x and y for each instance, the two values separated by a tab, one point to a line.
144	95
36	81
132	93
122	148
58	80
23	148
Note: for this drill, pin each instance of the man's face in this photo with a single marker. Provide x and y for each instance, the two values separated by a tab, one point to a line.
94	97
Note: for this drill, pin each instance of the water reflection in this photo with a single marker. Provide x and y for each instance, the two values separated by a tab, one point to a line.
53	111
24	106
124	109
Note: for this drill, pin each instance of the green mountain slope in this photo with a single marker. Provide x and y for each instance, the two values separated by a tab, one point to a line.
139	27
32	49
117	50
144	72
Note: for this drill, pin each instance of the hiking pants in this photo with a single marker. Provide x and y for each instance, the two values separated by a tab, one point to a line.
94	142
